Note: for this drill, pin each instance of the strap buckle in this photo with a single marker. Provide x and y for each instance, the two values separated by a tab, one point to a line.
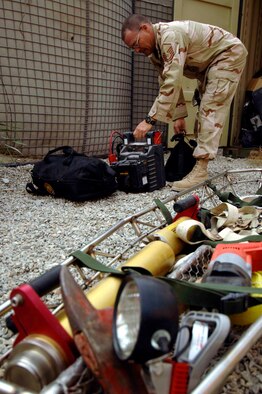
234	303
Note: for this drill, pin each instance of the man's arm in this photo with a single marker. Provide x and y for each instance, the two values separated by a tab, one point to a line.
170	104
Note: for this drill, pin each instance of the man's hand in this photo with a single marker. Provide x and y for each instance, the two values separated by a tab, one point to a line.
179	126
141	129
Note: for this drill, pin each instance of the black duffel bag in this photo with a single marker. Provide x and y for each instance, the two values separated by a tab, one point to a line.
180	161
72	175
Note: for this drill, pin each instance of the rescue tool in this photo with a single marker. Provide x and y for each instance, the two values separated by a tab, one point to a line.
46	354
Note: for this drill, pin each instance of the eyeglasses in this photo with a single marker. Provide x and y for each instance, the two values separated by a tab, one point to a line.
136	44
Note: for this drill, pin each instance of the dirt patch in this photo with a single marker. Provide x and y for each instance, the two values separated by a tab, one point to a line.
15	160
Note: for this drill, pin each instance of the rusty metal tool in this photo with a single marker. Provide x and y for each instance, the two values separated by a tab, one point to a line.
92	331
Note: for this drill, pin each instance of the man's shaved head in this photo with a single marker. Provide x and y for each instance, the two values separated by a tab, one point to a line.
133	23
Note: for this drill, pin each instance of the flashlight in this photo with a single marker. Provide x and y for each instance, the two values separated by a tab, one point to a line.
145	321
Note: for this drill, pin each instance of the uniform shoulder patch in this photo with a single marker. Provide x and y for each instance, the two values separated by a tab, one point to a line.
168	53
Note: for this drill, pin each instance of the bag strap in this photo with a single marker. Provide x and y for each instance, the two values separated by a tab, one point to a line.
68	151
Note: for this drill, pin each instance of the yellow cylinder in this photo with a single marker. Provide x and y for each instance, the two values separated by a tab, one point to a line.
248	317
169	235
254	312
157	257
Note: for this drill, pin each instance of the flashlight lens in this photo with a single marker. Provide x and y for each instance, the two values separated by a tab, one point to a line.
128	319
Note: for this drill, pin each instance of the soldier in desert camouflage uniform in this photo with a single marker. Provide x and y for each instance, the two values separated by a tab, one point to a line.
209	54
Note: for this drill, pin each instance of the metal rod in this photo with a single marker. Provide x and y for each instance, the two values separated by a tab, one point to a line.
217	376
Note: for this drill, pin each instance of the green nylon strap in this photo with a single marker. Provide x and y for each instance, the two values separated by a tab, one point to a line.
93	264
189	295
209	295
89	262
256	202
250	238
229	288
165	212
183	289
197	294
234	200
259	191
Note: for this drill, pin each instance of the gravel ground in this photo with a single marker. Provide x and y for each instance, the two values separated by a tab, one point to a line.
37	233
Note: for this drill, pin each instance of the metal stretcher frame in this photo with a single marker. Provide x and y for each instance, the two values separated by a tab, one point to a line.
142	224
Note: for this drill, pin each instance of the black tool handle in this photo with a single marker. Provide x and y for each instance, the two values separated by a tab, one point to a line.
185	203
42	285
46	282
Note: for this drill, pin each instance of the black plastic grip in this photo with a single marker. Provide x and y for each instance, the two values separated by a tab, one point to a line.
42	285
184	203
46	282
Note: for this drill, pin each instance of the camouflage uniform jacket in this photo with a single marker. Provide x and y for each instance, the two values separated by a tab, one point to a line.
184	48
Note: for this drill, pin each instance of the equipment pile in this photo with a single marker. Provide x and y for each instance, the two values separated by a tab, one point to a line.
153	322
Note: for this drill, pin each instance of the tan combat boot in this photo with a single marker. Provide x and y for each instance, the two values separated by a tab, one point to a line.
197	175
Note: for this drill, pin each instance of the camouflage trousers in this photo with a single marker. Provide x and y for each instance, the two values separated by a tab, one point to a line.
217	91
